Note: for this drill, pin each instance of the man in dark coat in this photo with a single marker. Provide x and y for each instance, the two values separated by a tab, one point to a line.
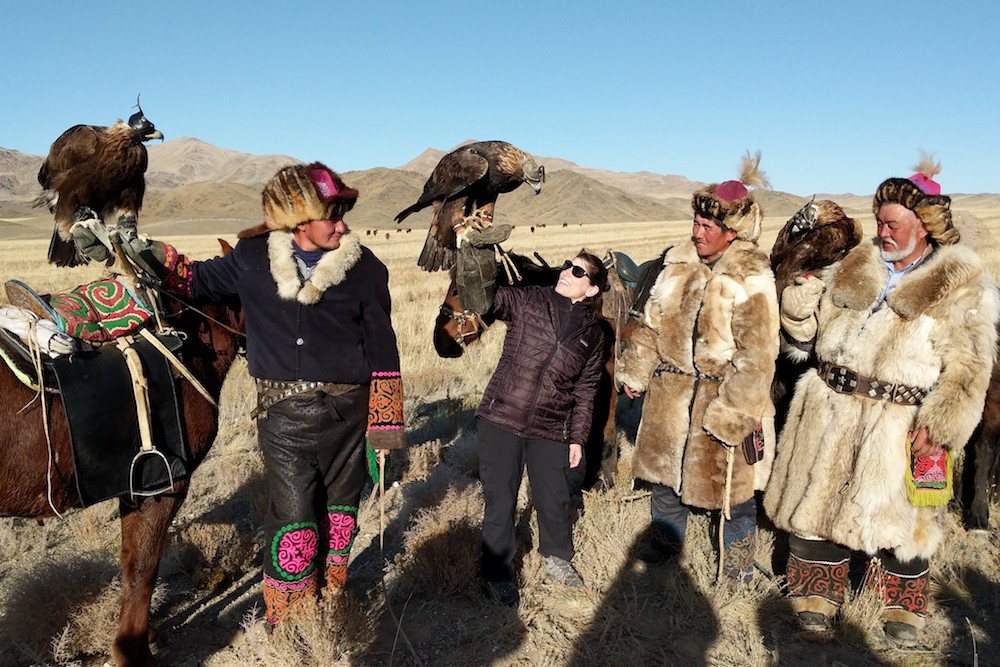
323	353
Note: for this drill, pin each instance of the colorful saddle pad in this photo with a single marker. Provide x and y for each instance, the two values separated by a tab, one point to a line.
99	311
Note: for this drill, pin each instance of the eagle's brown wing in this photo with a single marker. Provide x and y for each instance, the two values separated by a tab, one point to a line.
60	176
454	174
458	173
796	253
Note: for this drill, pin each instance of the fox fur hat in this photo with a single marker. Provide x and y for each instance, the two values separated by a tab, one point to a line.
922	195
304	192
731	204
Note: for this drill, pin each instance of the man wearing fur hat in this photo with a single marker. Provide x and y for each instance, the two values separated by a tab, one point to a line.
323	353
703	352
903	333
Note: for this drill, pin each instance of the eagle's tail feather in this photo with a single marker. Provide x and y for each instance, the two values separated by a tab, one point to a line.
435	258
63	253
412	208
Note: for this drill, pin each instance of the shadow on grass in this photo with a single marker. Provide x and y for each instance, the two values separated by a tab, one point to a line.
649	616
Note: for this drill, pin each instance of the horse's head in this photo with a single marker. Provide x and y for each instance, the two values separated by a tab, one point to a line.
455	327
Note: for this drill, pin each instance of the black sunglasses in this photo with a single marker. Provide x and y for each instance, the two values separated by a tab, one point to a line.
578	271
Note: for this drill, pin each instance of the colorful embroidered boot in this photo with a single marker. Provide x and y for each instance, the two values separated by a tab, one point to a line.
290	570
904	589
818	577
337	532
280	597
738	540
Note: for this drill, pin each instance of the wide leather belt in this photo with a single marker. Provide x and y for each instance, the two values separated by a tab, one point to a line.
845	381
272	392
670	368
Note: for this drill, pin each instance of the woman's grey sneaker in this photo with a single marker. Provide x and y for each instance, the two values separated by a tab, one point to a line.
562	571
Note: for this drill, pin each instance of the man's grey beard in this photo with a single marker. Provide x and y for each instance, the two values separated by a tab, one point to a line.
897	255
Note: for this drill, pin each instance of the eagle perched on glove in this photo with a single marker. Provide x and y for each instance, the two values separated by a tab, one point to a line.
463	189
819	234
93	171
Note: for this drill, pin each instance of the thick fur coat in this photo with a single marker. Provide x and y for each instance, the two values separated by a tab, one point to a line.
719	323
841	460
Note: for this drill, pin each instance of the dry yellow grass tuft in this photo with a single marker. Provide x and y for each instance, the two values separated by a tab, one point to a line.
416	600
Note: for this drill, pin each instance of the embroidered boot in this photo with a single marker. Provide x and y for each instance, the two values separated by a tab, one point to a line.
738	539
818	577
337	531
280	597
904	589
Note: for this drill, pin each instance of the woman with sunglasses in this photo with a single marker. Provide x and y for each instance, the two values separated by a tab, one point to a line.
536	413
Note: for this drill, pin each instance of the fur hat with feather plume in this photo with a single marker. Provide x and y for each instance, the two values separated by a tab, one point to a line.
731	203
304	192
921	194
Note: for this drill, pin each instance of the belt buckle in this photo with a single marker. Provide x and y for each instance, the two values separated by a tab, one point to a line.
841	379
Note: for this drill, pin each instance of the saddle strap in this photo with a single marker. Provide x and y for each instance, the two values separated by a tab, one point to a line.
140	388
172	358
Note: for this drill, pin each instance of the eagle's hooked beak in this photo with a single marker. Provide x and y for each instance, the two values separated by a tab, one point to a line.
155	134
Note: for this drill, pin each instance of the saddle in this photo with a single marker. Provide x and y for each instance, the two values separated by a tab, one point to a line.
118	391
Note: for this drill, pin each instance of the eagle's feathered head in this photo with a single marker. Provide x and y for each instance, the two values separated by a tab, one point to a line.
922	195
731	204
304	192
534	175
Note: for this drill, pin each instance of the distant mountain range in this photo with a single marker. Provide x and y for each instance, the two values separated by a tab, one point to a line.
194	187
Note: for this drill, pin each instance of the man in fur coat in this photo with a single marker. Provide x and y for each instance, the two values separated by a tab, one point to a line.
703	352
903	331
323	353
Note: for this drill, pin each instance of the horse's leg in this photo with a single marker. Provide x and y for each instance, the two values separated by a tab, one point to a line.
984	448
609	455
144	534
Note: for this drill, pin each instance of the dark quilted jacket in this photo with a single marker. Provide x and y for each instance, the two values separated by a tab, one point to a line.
543	387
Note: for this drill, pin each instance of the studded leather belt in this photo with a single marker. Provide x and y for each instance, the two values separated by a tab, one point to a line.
272	392
845	381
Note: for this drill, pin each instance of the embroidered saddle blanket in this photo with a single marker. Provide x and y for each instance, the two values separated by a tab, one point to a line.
99	403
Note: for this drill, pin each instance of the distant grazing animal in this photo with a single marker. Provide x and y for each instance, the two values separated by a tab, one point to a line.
98	168
463	189
210	346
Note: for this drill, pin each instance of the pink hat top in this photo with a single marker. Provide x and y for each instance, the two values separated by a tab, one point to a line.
324	183
926	184
729	191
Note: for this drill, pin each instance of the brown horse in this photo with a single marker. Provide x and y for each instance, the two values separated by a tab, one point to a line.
455	328
211	345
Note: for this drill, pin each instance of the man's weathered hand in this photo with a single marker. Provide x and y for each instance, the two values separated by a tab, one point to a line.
921	443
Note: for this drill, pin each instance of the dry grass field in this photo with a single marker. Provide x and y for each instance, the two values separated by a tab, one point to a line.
416	600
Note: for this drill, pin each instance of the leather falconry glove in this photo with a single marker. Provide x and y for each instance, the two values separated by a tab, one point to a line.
800	299
91	236
799	302
147	254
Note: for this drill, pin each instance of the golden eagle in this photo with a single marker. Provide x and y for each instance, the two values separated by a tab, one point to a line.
93	170
819	234
463	189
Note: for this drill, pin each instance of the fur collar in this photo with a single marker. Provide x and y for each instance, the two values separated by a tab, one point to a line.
741	259
862	275
331	269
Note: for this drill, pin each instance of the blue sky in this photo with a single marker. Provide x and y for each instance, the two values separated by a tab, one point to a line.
836	95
